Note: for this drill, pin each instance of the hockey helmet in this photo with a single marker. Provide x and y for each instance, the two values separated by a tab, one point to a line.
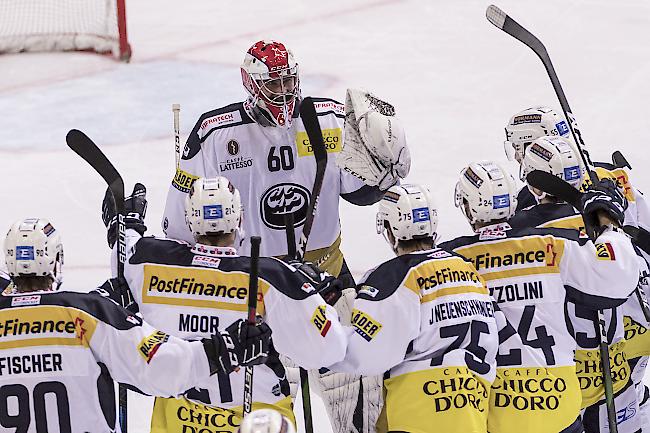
213	206
33	248
529	124
556	156
410	213
270	75
486	192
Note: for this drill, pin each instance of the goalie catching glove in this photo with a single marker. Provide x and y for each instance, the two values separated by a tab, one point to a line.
135	208
241	344
374	149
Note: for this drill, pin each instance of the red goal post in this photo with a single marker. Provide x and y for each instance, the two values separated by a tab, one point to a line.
64	25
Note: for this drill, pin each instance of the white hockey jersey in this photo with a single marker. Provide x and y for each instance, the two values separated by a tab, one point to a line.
426	320
273	168
530	272
59	354
191	292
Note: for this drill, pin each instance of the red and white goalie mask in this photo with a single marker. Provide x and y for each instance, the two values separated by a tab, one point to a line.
270	74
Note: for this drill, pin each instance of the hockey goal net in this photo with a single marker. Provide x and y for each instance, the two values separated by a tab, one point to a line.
64	25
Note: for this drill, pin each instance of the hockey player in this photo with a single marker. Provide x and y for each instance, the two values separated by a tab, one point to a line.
426	321
529	273
191	290
262	147
556	156
266	421
5	281
60	351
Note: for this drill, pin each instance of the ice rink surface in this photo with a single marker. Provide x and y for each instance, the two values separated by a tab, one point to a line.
453	77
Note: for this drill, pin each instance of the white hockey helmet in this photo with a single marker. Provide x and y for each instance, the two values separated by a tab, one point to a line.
270	75
266	421
529	124
213	206
553	155
486	192
33	248
409	211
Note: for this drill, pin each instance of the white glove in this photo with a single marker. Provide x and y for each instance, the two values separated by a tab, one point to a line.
374	146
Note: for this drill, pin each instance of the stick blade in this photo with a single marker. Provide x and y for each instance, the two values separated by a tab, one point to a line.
555	186
496	16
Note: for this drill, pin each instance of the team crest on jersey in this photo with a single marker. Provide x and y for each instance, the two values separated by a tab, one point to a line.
150	345
320	320
18	301
282	199
365	325
605	251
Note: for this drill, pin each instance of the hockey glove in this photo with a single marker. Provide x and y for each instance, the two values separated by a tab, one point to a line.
240	344
135	208
375	149
118	290
328	286
602	197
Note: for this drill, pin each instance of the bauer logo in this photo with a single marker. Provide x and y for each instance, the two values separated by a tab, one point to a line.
364	325
421	214
150	345
212	212
562	128
572	173
605	251
25	252
282	199
500	201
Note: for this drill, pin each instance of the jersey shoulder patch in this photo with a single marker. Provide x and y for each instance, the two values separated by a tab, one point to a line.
161	251
224	117
386	278
325	106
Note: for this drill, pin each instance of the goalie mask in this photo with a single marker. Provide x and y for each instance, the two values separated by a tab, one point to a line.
529	124
270	75
556	156
33	248
410	213
266	421
213	206
486	192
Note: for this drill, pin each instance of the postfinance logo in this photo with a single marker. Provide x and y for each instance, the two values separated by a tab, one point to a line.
198	287
443	277
45	326
331	138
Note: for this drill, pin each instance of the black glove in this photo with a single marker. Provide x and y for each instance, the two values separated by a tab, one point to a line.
328	286
240	344
118	290
135	208
603	196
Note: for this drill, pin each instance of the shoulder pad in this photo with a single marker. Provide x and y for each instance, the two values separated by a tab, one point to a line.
224	117
286	279
161	251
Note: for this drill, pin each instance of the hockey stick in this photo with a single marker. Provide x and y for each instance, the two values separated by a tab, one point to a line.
252	313
310	120
502	21
83	146
176	109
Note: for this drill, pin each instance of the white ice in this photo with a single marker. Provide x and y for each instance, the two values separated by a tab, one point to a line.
454	78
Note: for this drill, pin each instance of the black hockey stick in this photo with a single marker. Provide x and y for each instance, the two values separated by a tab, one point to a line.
310	120
88	150
252	313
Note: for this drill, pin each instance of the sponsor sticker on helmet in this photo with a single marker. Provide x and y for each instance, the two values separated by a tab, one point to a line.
48	229
562	128
527	118
572	173
541	152
500	201
25	252
473	178
391	196
421	214
212	212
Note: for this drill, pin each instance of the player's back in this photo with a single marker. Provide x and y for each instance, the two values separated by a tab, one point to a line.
56	349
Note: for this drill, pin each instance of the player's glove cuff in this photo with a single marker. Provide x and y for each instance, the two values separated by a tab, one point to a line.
135	208
602	197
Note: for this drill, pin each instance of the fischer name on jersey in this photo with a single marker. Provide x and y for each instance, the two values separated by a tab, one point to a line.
273	168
